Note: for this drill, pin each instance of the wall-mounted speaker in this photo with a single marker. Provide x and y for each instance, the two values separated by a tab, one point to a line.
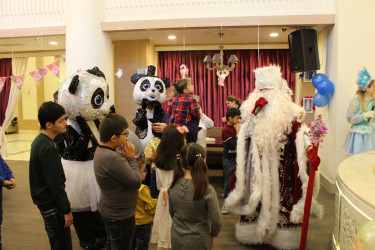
303	49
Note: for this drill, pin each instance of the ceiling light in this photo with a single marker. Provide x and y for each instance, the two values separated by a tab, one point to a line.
53	43
274	34
172	37
221	69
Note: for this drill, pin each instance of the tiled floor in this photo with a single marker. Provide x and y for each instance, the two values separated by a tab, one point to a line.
19	144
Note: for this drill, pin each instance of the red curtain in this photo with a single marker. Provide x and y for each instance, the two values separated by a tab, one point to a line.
240	82
5	70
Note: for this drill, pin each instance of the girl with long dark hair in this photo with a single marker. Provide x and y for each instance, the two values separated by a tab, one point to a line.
193	204
172	140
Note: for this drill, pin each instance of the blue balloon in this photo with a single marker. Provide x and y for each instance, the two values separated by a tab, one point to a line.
321	100
325	87
318	78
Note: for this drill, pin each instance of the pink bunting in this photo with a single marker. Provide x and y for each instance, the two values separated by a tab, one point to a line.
54	67
2	83
18	80
38	73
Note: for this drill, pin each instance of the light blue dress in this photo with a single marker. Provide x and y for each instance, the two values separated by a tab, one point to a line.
361	136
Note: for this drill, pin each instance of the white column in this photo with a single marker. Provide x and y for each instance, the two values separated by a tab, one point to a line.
86	45
350	47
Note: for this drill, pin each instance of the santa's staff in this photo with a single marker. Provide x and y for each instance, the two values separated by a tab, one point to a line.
317	131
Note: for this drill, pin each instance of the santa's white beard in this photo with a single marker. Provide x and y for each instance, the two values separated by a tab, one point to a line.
269	129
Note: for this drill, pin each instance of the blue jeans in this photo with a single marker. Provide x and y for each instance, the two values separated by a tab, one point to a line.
228	167
120	233
59	236
142	236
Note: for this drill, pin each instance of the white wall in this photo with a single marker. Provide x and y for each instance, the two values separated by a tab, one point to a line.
51	81
350	47
29	93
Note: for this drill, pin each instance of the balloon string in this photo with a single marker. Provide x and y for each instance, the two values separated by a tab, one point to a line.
258	43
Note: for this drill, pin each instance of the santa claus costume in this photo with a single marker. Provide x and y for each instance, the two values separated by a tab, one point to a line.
272	173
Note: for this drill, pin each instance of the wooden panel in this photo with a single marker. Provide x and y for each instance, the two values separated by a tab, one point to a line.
128	56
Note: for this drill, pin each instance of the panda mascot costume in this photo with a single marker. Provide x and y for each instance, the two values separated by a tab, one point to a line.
85	99
149	92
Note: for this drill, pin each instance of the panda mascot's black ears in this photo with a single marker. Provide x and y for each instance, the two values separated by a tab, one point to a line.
151	70
96	71
166	81
74	84
135	78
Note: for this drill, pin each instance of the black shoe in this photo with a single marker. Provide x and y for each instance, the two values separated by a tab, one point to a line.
100	242
88	246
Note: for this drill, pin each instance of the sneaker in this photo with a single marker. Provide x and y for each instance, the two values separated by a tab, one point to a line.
224	210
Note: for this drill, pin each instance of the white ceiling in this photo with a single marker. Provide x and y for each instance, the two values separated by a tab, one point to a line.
187	37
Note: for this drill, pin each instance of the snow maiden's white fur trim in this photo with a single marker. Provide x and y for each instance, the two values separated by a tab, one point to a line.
281	239
317	209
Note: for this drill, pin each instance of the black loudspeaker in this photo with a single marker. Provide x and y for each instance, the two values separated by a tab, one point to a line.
303	49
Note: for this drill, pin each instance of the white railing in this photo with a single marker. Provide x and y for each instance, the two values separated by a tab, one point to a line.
131	10
16	14
49	13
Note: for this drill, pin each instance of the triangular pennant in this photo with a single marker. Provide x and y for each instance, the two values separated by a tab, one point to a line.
2	83
36	76
42	71
54	67
18	80
38	73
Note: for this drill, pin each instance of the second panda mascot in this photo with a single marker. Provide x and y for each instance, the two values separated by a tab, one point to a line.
149	92
85	98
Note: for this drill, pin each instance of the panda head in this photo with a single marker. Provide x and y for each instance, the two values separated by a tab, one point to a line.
85	94
149	87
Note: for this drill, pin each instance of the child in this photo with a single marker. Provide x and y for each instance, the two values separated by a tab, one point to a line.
232	102
229	136
119	178
6	180
145	211
184	109
361	137
172	140
150	154
193	205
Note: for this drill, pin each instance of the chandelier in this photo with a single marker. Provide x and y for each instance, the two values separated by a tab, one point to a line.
222	70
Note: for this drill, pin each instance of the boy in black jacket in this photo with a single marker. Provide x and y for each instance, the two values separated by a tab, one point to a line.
47	179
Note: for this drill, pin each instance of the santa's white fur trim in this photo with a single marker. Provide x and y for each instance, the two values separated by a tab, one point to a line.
234	198
268	77
297	210
275	195
281	239
264	219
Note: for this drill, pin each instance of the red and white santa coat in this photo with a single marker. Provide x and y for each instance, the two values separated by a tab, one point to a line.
271	172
